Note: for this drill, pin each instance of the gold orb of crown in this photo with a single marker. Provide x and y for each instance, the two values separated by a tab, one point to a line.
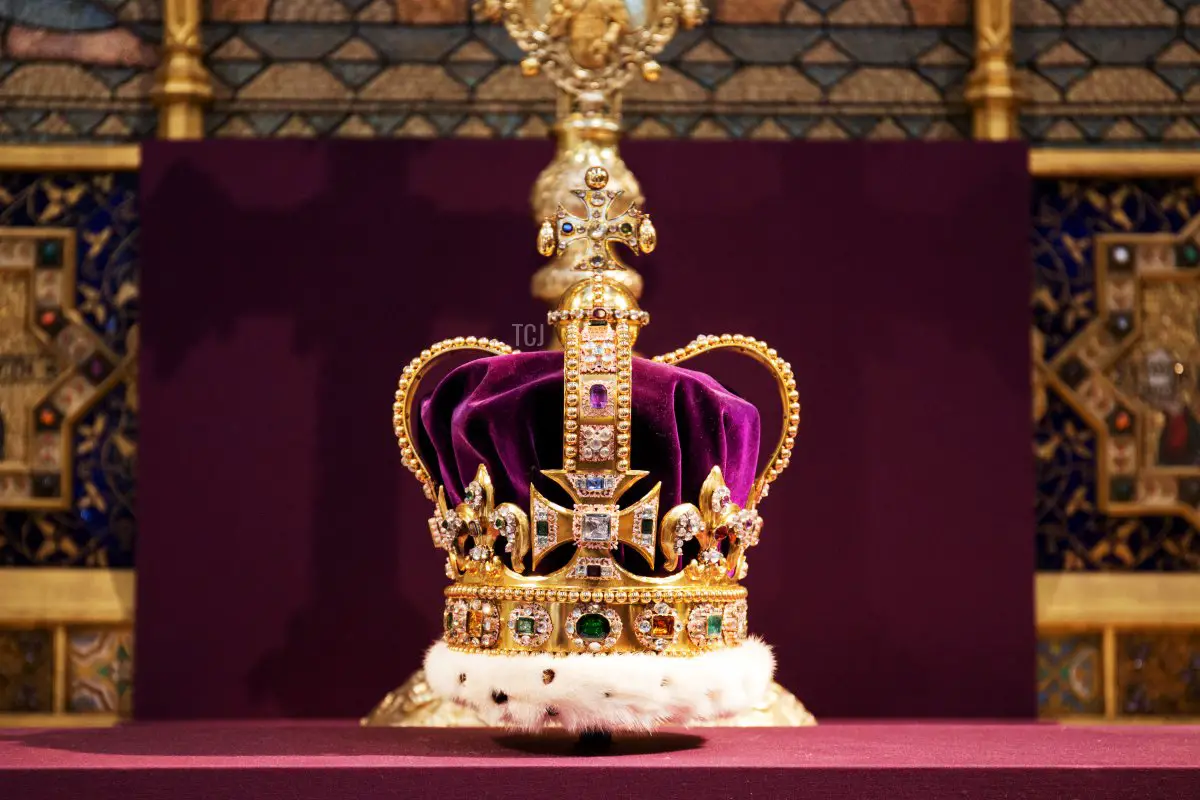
591	295
602	301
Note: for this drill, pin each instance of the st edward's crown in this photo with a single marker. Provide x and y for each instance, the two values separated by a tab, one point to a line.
568	606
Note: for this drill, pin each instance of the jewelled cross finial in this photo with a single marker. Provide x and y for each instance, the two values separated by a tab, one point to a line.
599	228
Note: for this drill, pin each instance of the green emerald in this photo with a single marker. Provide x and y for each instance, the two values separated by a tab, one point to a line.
449	621
525	625
592	626
648	527
543	529
714	625
50	253
626	228
1189	255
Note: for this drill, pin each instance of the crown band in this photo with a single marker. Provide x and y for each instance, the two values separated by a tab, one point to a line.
596	627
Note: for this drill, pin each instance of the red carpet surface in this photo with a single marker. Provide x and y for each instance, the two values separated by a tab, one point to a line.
329	761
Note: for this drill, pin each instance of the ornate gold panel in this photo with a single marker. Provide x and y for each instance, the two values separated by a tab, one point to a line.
1133	373
53	366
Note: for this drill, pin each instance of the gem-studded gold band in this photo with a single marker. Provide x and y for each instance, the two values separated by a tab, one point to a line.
597	376
664	627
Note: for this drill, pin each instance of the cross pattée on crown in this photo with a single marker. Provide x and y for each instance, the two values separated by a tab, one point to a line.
598	226
598	320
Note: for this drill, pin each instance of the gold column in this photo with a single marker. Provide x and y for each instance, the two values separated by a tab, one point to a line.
60	688
991	88
182	87
1108	646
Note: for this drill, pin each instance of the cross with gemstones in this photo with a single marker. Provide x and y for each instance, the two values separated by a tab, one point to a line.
595	524
598	227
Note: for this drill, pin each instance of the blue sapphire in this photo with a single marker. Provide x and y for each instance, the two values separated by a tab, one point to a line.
594	483
567	227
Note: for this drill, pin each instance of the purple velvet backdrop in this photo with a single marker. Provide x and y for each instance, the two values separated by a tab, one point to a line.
284	567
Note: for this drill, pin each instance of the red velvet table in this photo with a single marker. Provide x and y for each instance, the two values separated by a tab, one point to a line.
328	761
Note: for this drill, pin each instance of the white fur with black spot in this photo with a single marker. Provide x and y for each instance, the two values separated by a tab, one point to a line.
604	692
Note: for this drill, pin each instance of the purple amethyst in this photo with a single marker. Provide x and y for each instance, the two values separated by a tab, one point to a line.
598	396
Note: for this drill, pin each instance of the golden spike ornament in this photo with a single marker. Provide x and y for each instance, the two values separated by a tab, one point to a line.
182	86
992	87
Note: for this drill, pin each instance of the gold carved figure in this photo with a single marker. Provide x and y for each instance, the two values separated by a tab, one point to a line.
592	28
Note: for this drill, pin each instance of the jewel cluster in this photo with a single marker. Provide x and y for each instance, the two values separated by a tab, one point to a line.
595	627
475	622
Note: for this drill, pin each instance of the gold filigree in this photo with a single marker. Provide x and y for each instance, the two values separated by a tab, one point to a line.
590	48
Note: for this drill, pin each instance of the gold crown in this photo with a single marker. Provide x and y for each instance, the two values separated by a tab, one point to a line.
504	599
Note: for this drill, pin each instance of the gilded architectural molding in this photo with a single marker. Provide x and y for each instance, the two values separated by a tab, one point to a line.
991	87
182	87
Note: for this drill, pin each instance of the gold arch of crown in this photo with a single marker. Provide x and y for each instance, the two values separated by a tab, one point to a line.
597	322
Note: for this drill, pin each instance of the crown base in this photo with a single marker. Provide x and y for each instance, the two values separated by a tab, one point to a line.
616	693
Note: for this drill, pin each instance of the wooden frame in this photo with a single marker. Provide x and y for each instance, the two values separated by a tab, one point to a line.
59	599
1109	603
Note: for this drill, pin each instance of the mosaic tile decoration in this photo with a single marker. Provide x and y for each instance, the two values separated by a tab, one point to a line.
100	671
1122	72
1158	674
769	69
26	671
100	526
1071	533
1070	675
72	70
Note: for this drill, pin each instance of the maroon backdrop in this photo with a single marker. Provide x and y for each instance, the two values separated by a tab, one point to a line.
284	567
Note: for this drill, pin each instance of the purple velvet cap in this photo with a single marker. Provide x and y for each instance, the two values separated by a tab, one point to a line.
505	412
